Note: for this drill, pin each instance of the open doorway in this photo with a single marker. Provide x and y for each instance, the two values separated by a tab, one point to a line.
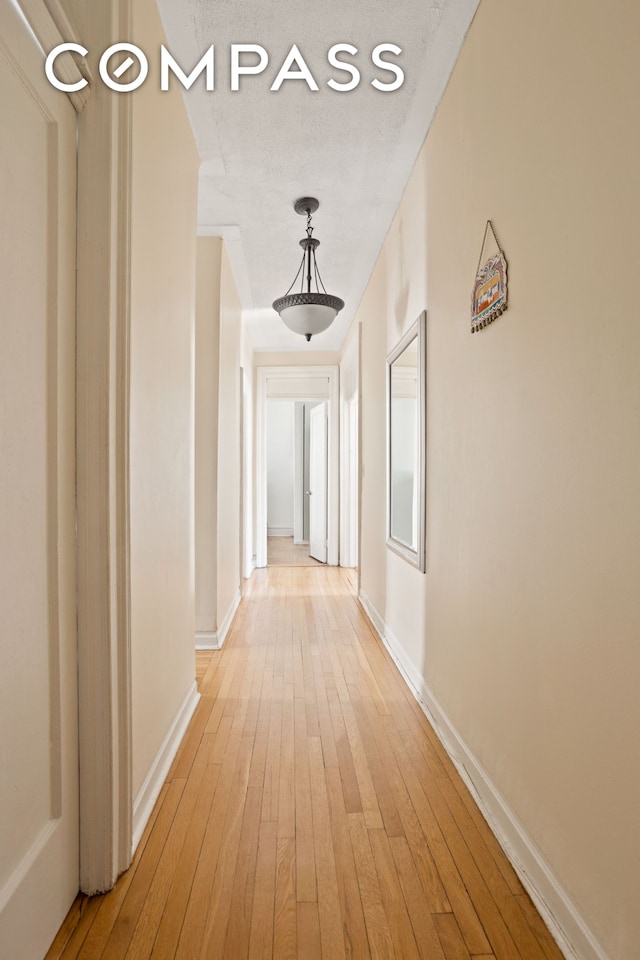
317	387
296	442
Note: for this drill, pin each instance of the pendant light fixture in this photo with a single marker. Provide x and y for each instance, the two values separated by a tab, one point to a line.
308	312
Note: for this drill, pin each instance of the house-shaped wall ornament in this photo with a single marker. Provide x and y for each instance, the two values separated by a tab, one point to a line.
489	298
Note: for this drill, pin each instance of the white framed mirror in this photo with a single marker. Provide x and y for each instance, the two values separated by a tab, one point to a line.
406	444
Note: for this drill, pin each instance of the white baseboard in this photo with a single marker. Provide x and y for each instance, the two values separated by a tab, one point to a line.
279	531
223	629
207	640
150	790
213	639
567	926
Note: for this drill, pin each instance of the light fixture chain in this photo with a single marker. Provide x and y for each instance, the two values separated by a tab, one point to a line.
319	282
297	275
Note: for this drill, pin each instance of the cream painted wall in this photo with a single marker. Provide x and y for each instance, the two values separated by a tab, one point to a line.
248	415
224	439
229	447
525	627
280	468
209	256
349	390
165	182
373	350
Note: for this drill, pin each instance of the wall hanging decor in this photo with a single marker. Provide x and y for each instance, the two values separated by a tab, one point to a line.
489	297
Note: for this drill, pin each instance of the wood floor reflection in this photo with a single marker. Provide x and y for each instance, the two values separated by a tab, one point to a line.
283	552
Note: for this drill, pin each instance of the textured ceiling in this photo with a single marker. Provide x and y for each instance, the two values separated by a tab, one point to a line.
354	151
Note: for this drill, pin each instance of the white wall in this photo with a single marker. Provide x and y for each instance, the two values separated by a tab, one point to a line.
349	448
207	347
524	629
248	414
224	435
280	467
229	449
165	183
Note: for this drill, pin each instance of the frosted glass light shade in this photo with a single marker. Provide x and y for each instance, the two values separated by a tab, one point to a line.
308	313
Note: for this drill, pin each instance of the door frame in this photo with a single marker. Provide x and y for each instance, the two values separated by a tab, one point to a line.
103	416
312	477
102	435
102	444
304	382
40	875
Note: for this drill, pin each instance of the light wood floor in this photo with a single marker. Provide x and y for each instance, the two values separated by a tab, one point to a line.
310	812
283	552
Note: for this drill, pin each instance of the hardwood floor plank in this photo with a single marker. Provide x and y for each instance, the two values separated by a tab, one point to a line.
354	928
260	745
191	741
367	721
152	910
195	916
92	941
498	918
261	937
173	916
420	911
306	888
271	788
133	903
457	894
366	790
378	933
351	790
548	944
308	931
239	927
473	812
286	786
220	739
329	912
432	885
450	937
70	938
285	914
219	904
402	936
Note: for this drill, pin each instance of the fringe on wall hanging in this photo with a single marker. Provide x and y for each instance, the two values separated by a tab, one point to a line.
489	297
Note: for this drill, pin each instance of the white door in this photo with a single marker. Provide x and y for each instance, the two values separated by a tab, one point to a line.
39	828
318	482
353	482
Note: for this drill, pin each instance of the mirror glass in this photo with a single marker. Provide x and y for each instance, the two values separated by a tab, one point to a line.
404	446
405	420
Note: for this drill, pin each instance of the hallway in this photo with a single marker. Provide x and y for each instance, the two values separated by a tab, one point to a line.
310	812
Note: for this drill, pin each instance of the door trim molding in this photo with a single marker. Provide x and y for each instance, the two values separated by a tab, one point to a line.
103	336
298	383
51	26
